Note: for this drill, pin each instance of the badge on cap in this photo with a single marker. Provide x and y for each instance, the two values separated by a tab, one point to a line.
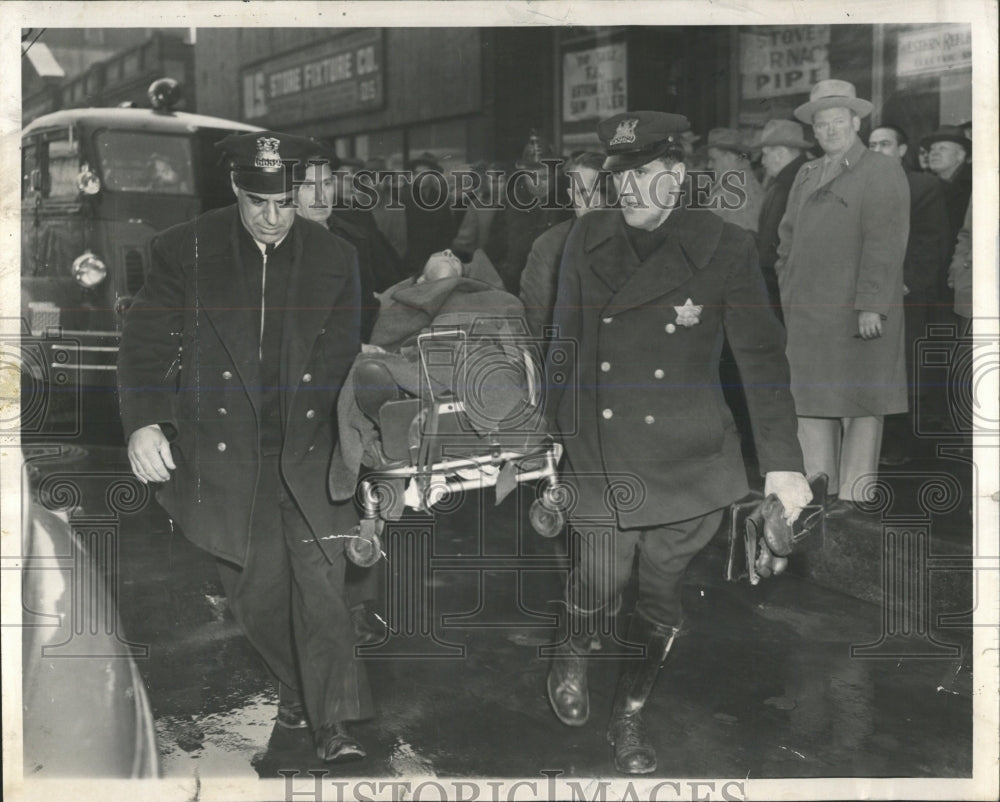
625	133
267	153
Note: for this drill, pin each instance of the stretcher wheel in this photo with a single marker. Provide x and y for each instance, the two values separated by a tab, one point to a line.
364	550
545	520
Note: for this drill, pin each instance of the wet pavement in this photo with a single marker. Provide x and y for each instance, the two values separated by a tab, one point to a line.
762	684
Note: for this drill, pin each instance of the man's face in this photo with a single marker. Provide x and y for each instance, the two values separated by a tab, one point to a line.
722	161
268	218
315	197
538	183
774	158
944	158
649	193
442	264
835	129
583	191
883	140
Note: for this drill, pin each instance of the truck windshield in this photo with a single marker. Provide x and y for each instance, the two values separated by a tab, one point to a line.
136	161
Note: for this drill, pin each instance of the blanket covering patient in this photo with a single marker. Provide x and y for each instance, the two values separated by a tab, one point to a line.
486	370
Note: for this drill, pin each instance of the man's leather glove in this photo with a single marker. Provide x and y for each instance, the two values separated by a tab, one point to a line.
792	490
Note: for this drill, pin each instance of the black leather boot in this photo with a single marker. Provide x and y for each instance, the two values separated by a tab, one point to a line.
567	680
634	754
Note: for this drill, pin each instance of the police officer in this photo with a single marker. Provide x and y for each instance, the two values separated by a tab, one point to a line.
231	359
652	452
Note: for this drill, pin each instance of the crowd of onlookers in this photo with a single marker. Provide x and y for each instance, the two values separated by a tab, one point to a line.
520	214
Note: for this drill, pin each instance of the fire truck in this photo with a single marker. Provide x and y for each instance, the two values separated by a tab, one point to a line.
96	185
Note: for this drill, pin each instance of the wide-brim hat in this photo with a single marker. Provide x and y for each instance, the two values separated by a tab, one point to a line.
783	133
425	159
949	133
832	94
634	138
730	139
267	162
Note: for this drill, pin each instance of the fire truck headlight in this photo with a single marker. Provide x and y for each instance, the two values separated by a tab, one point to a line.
88	270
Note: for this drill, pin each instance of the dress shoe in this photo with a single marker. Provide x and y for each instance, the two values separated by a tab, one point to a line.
292	716
335	745
368	628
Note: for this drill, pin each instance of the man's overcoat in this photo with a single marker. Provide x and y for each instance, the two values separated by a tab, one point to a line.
841	252
635	392
189	359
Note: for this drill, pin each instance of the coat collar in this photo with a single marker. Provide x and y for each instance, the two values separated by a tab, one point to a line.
694	237
225	299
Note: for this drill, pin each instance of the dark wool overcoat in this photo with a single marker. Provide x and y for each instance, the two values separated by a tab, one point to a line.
633	371
189	359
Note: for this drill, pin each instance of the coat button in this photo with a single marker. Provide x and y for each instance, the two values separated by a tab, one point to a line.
649	419
311	448
605	367
223	411
607	414
658	373
310	414
670	328
227	375
307	377
221	446
606	320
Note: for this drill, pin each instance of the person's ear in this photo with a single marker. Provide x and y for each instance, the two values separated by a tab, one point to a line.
902	150
232	183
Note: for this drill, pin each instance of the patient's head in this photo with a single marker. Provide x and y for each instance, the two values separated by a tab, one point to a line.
443	264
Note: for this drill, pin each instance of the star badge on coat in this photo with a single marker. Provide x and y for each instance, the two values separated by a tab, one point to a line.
689	314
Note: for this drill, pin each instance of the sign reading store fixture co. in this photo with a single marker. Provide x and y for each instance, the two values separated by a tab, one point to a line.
340	76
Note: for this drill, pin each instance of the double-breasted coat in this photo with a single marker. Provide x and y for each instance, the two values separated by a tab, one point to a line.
842	243
189	359
648	436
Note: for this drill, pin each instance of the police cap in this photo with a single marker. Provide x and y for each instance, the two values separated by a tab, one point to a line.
635	138
267	162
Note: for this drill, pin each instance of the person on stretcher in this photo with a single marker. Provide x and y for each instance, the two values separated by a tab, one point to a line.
473	348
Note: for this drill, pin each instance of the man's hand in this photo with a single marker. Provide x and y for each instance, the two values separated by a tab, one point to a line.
792	490
869	325
149	454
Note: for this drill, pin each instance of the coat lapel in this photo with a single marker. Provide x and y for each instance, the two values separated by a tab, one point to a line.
312	290
222	293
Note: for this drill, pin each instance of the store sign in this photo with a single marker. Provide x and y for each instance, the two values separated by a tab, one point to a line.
780	60
341	76
933	51
594	82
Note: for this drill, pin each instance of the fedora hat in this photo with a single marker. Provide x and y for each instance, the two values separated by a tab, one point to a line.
728	139
787	133
949	133
832	94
